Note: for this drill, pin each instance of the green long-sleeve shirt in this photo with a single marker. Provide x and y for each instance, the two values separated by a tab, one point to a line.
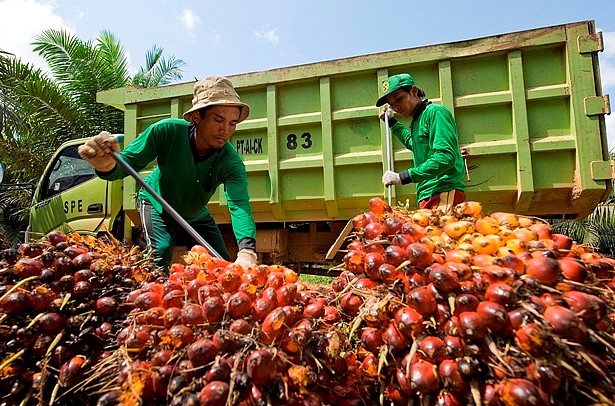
186	181
438	165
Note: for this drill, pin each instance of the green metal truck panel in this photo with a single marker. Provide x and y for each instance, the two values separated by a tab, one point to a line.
528	105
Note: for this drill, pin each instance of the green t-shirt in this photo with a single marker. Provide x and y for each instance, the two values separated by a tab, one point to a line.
186	181
438	165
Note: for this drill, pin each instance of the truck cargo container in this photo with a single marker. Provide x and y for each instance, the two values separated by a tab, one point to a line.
529	110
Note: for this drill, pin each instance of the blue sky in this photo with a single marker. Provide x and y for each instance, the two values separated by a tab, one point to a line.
233	36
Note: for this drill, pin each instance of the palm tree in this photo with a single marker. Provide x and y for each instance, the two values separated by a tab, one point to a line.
39	110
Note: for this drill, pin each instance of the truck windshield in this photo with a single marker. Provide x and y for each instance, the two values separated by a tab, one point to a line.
68	170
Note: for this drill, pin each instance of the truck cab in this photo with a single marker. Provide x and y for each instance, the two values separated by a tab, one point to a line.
70	197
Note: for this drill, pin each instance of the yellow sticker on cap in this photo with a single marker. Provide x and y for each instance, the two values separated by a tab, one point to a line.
385	86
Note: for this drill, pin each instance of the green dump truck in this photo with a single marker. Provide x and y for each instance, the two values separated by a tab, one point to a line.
528	105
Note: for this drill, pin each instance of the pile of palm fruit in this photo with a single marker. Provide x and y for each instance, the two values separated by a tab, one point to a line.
429	308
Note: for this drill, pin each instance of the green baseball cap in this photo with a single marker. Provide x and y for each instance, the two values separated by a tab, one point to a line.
393	83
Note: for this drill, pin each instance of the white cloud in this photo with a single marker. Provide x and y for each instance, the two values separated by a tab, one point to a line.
21	21
190	20
268	34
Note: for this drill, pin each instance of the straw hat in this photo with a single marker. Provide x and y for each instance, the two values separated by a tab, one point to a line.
216	91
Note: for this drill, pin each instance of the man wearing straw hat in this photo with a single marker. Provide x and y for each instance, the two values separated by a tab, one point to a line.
194	157
438	167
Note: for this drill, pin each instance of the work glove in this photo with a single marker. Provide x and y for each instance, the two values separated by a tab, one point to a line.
246	258
391	178
97	151
386	110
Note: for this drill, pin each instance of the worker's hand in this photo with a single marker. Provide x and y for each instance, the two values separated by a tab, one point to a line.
246	258
97	151
391	178
386	110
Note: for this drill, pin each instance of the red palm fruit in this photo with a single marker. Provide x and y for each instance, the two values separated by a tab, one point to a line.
388	273
260	366
444	280
419	254
521	392
192	289
371	338
451	379
148	300
394	255
416	231
544	231
501	293
562	242
495	317
465	302
545	270
518	317
354	261
202	351
229	280
374	247
402	240
239	305
51	323
573	269
589	308
273	326
533	339
162	357
433	349
41	297
422	300
392	225
240	326
261	307
548	376
373	231
193	314
471	326
172	316
332	315
394	339
26	267
462	271
219	371
351	303
366	283
174	298
213	309
286	294
454	346
181	335
315	309
424	377
409	322
294	340
378	206
275	279
565	323
72	371
214	393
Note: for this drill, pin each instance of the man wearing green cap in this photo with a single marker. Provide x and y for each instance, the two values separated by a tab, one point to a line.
438	169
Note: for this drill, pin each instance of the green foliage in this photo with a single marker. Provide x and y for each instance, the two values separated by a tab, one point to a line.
41	110
596	230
